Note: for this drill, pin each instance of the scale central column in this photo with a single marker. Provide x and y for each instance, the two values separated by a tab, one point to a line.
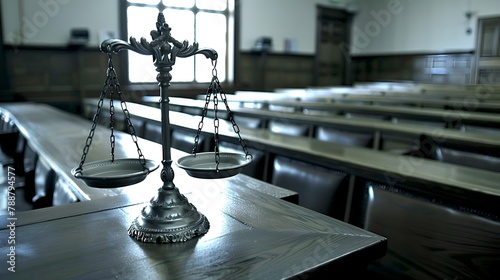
167	174
168	217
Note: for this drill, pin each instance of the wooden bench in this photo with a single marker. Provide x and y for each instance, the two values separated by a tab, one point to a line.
401	138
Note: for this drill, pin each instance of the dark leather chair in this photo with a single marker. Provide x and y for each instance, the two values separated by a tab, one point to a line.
9	141
480	129
430	235
288	128
29	164
184	140
398	143
138	125
256	168
321	189
467	158
152	131
221	113
44	184
193	110
247	121
345	137
62	194
466	155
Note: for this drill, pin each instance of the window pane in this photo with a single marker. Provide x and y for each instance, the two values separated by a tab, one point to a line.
211	33
179	3
182	24
149	2
217	5
141	20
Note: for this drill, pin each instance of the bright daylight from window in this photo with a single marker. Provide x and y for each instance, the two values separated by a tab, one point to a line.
203	21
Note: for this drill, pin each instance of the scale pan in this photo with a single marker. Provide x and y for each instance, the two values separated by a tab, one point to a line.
202	165
114	174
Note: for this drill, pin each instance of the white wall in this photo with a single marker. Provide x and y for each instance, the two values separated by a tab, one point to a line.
423	26
282	19
414	26
48	22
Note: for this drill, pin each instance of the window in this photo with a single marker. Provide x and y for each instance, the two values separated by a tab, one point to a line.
207	22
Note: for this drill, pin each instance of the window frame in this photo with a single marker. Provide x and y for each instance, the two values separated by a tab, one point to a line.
231	47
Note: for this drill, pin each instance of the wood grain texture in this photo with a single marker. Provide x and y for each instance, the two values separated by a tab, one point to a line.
252	236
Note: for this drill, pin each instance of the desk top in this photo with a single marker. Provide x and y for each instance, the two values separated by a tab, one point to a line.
251	236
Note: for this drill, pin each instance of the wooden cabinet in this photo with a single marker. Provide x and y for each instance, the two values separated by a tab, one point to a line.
269	71
332	60
488	51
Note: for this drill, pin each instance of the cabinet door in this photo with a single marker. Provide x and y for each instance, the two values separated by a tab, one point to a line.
332	47
489	40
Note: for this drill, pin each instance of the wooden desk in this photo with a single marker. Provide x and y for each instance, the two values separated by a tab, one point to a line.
489	141
466	185
424	114
252	236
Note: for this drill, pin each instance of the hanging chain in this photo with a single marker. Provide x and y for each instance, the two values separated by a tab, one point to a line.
200	124
111	108
110	84
125	111
215	88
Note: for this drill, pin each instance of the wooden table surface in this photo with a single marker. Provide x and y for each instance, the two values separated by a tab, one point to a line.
252	235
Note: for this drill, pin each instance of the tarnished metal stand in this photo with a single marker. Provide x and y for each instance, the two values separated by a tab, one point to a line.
169	217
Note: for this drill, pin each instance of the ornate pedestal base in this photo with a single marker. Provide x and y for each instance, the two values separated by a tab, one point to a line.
168	218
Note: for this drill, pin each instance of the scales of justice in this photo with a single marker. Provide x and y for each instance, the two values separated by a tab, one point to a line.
168	217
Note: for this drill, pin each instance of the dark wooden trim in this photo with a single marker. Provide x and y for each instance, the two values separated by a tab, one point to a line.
410	54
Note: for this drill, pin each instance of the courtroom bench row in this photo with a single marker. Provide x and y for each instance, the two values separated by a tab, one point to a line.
469	148
487	104
394	195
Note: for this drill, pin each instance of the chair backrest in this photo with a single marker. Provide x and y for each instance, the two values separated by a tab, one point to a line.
470	159
192	111
345	137
321	189
44	184
256	168
475	156
398	144
138	125
431	236
184	140
152	131
288	128
247	121
62	194
30	158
